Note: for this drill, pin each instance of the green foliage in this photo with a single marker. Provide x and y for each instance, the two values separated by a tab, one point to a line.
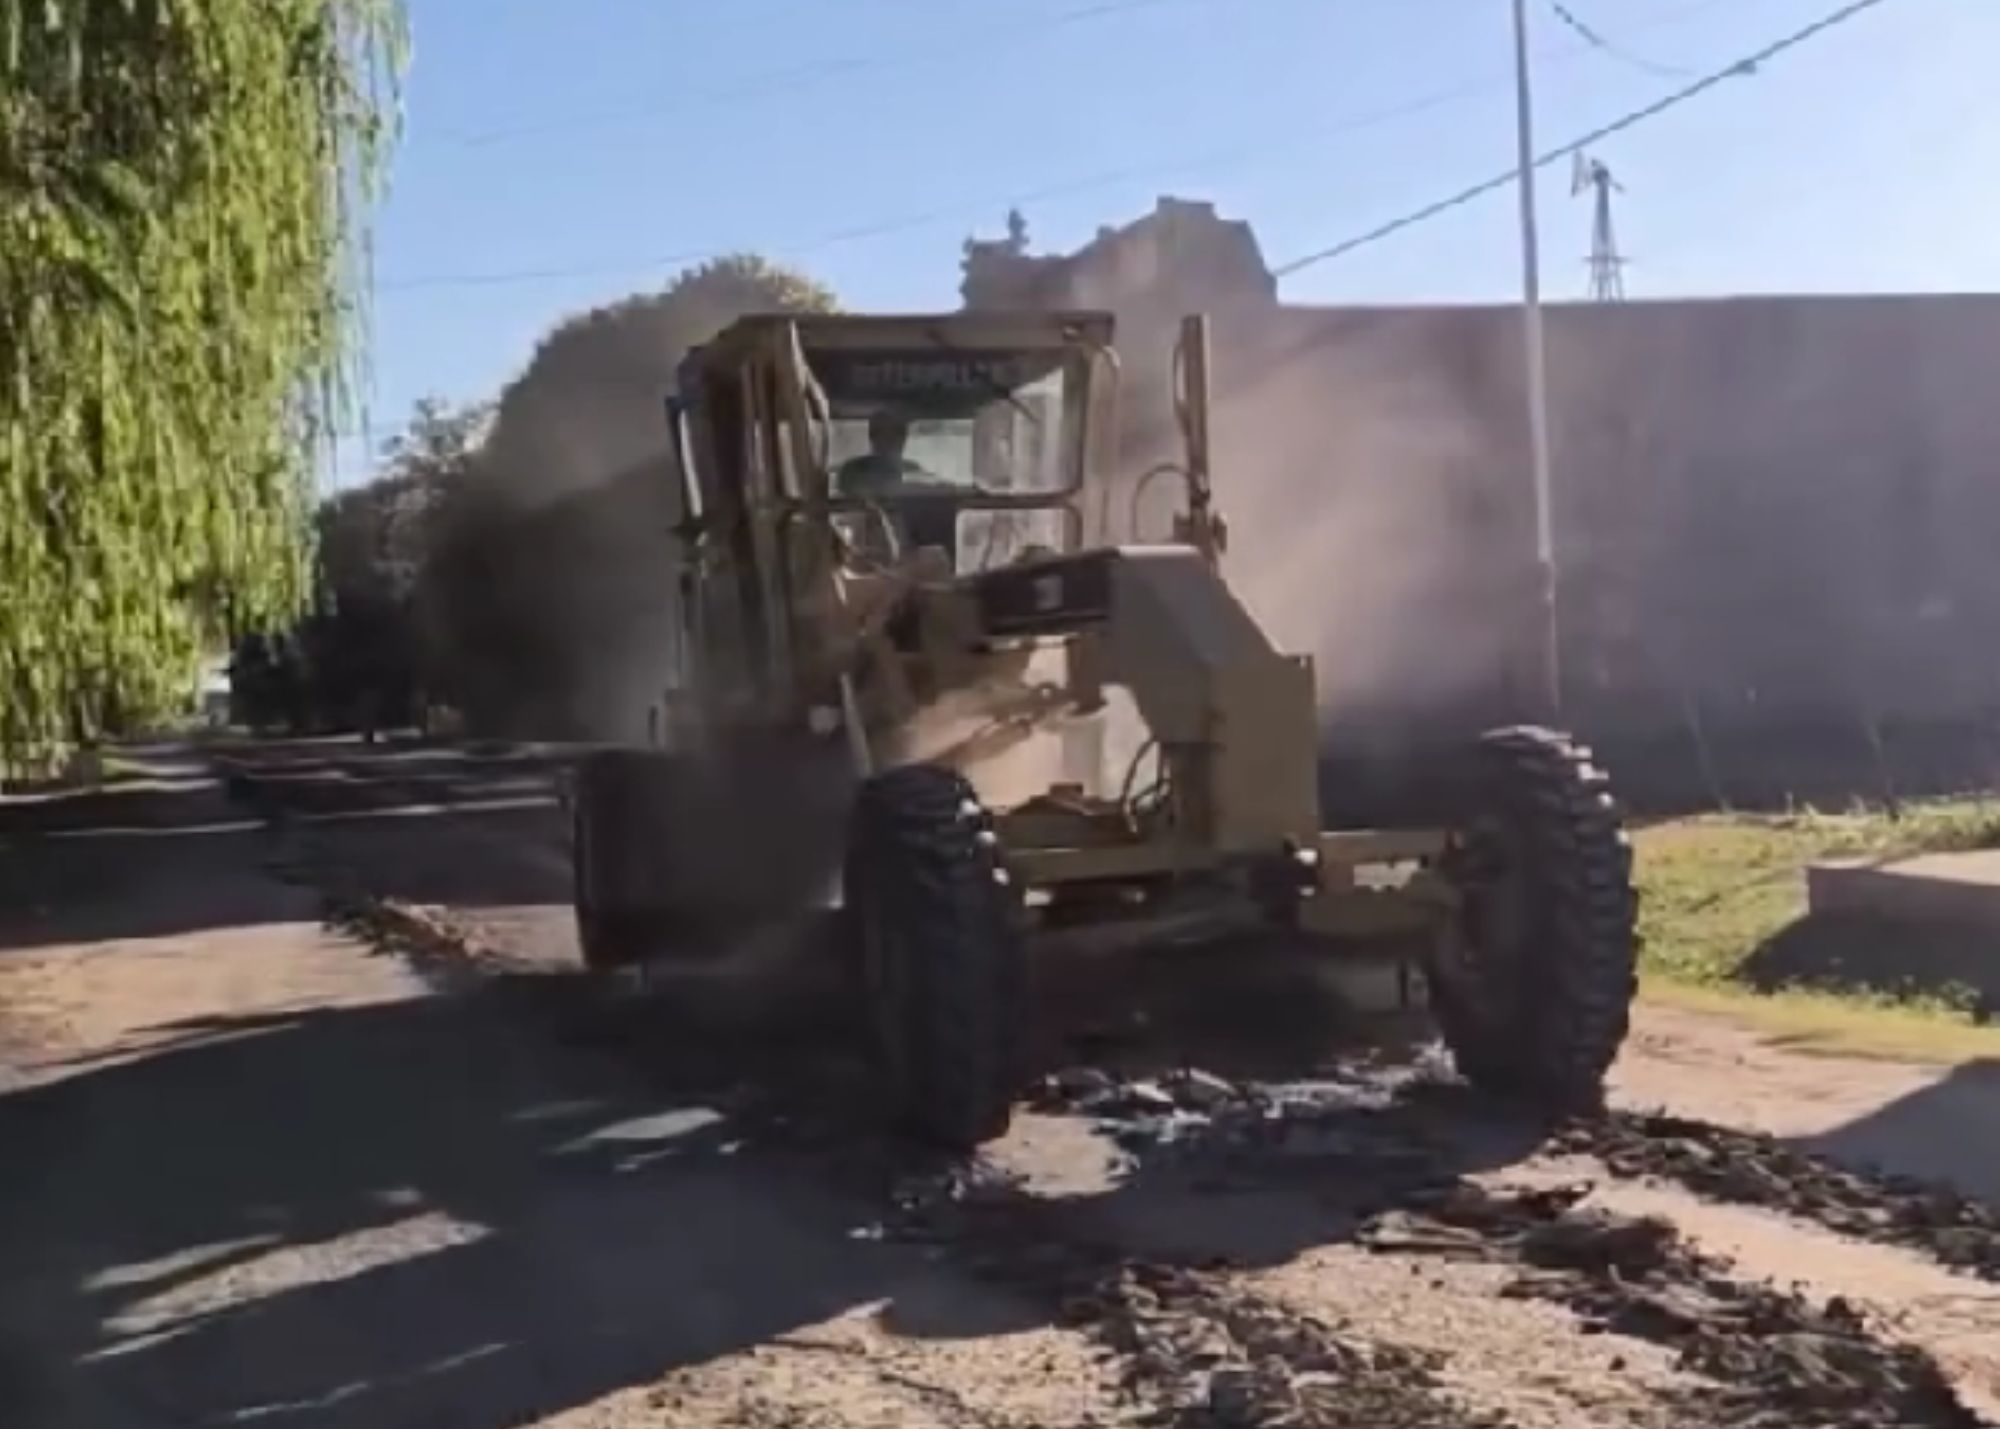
372	540
181	188
1723	903
353	660
545	596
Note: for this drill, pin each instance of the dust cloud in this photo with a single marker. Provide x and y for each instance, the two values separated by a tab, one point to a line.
579	496
1340	563
1353	472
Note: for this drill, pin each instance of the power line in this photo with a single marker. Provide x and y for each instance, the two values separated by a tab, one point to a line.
880	228
1748	65
1062	188
778	81
1598	42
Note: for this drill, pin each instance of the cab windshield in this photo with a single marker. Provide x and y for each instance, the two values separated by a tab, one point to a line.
945	420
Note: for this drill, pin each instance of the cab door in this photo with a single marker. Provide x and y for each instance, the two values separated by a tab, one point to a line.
687	523
767	505
727	614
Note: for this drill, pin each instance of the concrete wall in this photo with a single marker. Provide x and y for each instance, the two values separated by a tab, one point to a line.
1775	521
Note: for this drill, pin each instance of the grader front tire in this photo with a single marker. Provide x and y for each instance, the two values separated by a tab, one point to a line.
1534	994
943	954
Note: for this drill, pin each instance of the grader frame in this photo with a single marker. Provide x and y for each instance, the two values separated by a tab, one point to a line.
970	688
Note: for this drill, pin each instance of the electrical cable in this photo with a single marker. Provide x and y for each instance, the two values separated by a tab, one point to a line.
1597	41
1742	67
884	227
1748	65
1063	188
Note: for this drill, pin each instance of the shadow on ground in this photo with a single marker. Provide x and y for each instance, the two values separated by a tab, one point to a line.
483	1207
1946	1131
478	1209
308	778
392	1215
1889	957
414	822
178	840
158	851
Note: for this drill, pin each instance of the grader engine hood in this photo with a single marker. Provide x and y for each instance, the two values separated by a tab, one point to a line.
1160	622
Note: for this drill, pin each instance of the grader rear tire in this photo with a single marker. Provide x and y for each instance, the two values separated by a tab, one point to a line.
942	951
619	832
1534	997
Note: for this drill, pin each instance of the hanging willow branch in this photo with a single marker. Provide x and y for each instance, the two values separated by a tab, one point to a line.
182	194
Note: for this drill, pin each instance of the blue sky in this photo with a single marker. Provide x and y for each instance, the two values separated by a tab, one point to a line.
558	155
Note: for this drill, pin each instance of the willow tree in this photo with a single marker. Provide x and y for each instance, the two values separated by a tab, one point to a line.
183	188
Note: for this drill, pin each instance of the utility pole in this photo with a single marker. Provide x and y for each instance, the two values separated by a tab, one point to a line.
1537	360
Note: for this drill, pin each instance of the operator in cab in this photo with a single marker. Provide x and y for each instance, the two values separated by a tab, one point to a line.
883	470
884	474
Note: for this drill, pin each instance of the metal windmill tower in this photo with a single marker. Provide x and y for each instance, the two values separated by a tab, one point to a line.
1607	265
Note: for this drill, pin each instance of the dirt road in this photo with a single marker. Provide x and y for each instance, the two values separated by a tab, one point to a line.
308	1120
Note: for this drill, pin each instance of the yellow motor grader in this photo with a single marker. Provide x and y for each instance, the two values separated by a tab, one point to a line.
916	664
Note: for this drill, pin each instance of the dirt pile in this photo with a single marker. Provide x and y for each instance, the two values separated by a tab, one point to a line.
1195	1346
1189	1104
434	945
1751	1169
1768	1353
1201	1350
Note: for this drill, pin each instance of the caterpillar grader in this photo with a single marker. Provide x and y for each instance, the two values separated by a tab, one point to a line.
988	727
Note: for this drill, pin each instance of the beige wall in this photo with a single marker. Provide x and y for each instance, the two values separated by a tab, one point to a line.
1766	503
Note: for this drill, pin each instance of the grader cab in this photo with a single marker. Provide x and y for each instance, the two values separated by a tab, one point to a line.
907	619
